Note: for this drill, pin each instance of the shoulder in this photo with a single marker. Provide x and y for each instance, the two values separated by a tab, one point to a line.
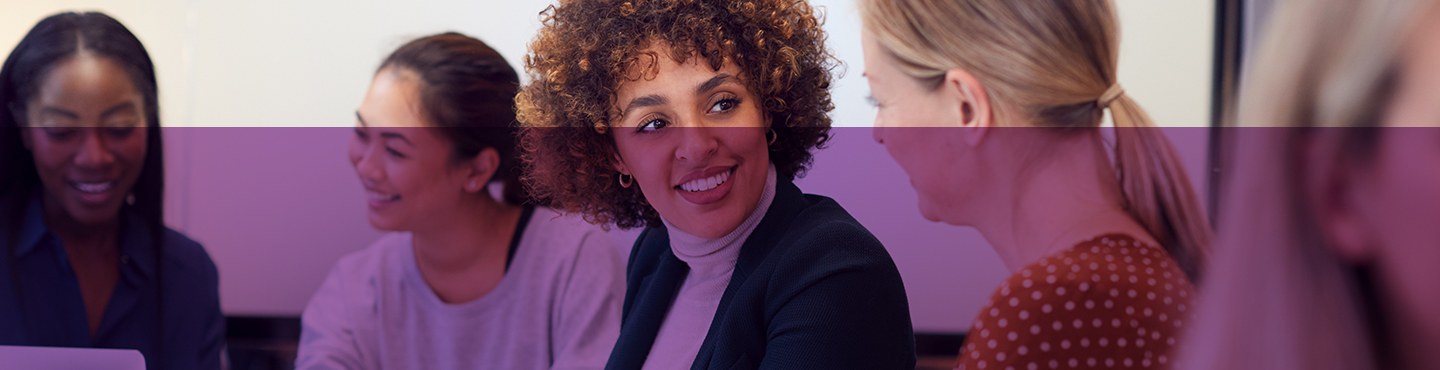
186	260
566	235
824	241
824	233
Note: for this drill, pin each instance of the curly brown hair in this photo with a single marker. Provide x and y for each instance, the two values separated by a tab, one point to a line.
584	51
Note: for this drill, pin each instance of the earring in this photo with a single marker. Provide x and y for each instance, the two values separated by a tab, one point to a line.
770	137
130	199
626	181
472	185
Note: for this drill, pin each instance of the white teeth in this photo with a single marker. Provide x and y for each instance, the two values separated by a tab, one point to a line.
93	187
381	197
706	183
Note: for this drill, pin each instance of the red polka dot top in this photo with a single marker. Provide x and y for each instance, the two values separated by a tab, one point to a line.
1107	303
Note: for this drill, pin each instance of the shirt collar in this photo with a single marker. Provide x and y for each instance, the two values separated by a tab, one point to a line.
135	244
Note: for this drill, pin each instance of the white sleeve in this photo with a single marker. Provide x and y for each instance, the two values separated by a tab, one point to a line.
587	322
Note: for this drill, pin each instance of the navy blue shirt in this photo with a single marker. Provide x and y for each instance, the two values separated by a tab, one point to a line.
48	309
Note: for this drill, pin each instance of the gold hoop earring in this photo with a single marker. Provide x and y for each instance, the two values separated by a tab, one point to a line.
626	181
770	137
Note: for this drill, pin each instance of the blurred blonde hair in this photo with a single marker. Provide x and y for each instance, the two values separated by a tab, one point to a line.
1277	297
1049	62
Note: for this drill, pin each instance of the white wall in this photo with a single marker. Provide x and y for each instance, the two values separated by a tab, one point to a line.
275	229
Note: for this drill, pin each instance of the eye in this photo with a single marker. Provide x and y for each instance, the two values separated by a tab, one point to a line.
871	99
725	105
394	152
59	133
652	124
360	134
120	132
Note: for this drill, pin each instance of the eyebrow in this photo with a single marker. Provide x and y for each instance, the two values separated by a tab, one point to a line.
117	109
60	112
644	101
386	135
654	100
715	82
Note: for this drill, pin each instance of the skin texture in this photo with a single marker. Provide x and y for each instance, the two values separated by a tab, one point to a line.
414	183
86	125
1031	192
692	128
1384	212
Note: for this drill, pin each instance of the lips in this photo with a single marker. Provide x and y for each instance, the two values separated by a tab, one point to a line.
92	187
380	199
94	193
706	186
708	183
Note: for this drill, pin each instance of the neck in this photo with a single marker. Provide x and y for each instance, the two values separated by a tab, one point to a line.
477	232
1064	196
77	236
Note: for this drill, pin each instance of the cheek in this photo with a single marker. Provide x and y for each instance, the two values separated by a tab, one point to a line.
356	151
50	156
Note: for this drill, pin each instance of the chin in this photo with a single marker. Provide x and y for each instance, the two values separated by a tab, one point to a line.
383	223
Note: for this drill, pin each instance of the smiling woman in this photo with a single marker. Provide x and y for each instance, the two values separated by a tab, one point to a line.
464	280
696	132
87	257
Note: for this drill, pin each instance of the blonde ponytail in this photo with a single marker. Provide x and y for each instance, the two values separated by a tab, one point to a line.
1052	61
1157	190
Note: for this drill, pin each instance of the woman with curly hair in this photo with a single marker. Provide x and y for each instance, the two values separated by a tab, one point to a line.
691	119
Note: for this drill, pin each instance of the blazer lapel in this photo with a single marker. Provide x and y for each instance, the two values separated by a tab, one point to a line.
637	334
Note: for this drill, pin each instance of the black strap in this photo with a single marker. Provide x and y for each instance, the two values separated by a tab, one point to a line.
519	230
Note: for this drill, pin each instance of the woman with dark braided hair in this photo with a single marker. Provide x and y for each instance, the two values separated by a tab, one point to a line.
85	257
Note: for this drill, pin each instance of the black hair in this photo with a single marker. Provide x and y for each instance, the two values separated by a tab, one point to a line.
55	39
467	92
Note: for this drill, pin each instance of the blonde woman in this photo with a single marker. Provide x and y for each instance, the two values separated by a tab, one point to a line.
1329	247
993	108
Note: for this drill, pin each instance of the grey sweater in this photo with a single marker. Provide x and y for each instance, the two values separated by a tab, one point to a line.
558	307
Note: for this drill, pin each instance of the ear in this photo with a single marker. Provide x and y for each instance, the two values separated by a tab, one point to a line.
619	163
482	169
1337	193
971	105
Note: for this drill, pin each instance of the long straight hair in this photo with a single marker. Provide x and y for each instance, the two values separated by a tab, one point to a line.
50	42
1051	61
1279	297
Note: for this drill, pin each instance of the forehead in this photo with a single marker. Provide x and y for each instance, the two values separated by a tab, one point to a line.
655	70
86	81
393	100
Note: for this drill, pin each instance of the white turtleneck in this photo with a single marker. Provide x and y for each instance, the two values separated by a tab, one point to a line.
711	263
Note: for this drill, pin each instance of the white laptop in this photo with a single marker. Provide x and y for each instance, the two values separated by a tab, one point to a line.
64	358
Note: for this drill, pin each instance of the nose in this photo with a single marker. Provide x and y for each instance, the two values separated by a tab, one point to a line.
878	133
94	151
367	166
697	143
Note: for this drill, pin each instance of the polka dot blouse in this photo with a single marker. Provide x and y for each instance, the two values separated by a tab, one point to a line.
1108	303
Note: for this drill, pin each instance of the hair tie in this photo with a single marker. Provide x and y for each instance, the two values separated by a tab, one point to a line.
1112	93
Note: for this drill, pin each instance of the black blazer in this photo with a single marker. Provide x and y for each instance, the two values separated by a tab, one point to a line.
812	289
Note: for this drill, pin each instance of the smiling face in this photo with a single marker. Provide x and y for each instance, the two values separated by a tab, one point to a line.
695	141
86	131
921	131
408	170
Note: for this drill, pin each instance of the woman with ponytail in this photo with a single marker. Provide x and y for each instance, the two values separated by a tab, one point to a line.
993	108
85	257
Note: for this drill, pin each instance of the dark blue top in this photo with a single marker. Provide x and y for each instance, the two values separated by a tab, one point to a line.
54	312
812	289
